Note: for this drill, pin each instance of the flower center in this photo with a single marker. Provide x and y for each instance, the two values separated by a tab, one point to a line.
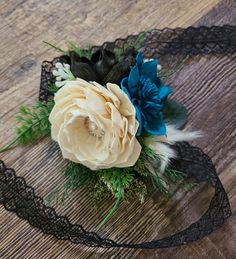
93	129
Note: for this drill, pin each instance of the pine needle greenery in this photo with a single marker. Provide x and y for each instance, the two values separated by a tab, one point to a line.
82	52
119	51
76	176
34	124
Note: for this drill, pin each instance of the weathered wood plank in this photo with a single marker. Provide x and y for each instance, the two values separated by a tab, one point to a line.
207	87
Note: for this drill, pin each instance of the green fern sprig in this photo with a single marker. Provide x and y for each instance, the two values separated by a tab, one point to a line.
78	175
122	183
34	124
116	180
159	183
83	52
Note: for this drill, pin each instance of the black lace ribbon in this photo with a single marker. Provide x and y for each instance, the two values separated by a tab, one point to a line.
18	197
156	43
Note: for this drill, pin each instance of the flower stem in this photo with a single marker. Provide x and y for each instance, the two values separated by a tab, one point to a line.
10	145
56	48
112	211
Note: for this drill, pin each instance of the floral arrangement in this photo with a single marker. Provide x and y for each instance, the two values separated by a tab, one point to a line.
112	118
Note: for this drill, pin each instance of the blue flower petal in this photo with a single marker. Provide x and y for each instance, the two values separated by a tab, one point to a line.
139	119
164	91
150	91
139	59
148	95
133	80
151	110
156	126
124	82
158	82
149	70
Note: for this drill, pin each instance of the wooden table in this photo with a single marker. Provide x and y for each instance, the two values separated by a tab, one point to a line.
206	86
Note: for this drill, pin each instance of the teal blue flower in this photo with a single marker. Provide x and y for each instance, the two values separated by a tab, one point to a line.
147	94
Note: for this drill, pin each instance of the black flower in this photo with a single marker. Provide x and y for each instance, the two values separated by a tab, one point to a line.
103	66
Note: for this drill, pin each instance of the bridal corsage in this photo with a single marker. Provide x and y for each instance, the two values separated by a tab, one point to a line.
112	117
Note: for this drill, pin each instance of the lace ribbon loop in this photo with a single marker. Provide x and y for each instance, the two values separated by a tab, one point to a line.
16	196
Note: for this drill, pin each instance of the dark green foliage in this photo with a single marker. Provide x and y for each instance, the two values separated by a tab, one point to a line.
175	113
121	183
164	182
189	186
76	176
159	183
52	88
147	154
83	52
173	175
148	166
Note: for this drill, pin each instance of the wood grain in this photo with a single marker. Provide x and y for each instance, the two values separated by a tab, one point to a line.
205	85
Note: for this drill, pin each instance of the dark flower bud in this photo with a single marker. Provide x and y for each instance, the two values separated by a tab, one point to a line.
103	61
119	71
82	67
103	66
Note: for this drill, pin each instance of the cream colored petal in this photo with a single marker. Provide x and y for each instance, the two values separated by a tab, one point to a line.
95	102
108	95
132	156
126	108
112	112
115	115
70	89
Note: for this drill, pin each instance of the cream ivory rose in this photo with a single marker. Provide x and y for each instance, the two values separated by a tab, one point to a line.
94	125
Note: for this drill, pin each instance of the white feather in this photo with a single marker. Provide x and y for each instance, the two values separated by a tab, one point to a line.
164	151
161	145
174	135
